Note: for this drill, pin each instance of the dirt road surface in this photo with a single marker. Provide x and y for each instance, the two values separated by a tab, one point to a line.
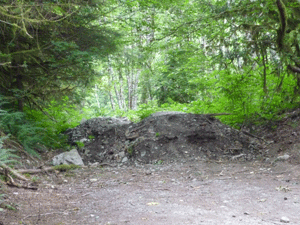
208	193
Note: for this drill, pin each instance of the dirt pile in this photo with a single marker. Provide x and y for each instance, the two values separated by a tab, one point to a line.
162	137
282	135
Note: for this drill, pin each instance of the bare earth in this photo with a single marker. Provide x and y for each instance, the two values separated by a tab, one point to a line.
187	191
179	193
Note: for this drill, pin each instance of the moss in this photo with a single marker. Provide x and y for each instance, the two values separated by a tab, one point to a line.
283	24
65	167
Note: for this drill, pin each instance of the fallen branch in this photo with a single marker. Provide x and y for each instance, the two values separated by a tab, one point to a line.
252	135
32	171
11	182
14	172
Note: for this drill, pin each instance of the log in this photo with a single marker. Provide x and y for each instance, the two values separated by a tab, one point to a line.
32	171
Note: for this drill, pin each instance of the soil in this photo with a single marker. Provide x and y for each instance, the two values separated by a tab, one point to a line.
213	187
163	137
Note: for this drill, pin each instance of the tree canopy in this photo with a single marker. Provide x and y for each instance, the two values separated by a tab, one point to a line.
240	57
48	48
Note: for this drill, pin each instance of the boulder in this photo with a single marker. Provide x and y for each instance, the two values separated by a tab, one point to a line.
71	157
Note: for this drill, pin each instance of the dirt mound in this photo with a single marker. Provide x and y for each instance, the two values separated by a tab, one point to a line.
162	137
282	136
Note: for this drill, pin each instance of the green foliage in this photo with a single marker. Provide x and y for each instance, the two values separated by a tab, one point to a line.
174	80
130	150
190	56
64	167
159	162
48	51
145	110
6	155
10	207
56	119
35	179
80	144
58	116
25	131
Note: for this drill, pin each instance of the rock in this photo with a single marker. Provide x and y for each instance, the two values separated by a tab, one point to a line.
125	159
71	157
94	164
148	172
121	154
143	153
84	140
93	180
284	219
283	157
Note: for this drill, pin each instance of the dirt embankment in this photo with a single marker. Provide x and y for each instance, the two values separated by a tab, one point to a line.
163	137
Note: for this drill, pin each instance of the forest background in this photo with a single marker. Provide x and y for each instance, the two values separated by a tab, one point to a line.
64	61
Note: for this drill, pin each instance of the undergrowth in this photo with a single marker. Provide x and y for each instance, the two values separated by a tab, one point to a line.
236	117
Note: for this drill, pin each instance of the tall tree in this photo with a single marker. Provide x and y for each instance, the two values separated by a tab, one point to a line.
47	48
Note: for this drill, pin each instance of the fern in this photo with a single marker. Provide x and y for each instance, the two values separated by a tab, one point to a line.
25	131
6	155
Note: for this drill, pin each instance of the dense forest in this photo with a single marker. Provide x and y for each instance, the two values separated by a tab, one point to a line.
62	61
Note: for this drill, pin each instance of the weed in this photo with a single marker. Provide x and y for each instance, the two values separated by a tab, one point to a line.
3	178
27	175
80	144
159	162
10	207
69	175
293	124
130	150
35	179
91	137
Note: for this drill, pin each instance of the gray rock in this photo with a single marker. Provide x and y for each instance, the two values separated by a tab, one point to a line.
283	158
284	219
122	154
125	159
143	153
71	157
84	140
94	164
